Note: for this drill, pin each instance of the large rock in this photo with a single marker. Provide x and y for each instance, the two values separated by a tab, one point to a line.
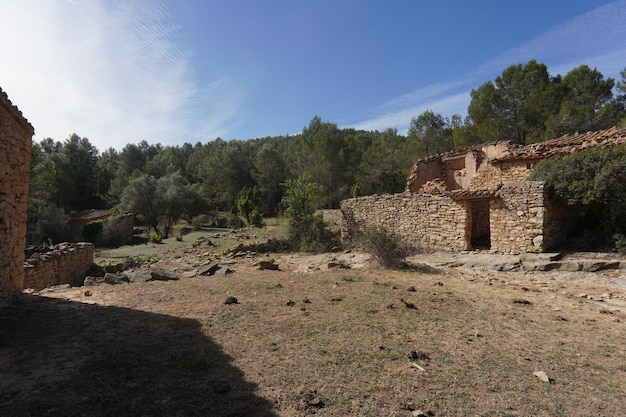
162	275
114	279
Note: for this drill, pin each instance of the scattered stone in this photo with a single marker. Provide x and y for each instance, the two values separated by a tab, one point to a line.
93	281
306	301
114	279
439	284
336	299
138	276
88	293
506	267
162	275
209	270
231	300
408	305
311	400
411	289
335	263
269	265
543	377
290	303
418	356
223	271
595	265
521	301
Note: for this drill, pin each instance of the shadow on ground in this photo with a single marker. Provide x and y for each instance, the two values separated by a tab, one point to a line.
65	358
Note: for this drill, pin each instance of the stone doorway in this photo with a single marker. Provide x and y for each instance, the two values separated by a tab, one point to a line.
479	225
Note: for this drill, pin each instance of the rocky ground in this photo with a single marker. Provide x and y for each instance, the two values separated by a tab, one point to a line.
207	330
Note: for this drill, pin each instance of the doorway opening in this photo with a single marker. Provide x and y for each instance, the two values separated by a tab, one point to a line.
480	231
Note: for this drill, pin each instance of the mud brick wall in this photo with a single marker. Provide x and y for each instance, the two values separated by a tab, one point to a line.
429	220
15	147
65	263
517	218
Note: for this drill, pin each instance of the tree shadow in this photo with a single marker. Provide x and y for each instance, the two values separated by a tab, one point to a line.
59	357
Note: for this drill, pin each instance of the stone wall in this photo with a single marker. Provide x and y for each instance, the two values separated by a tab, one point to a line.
15	147
490	175
517	218
429	220
65	263
513	220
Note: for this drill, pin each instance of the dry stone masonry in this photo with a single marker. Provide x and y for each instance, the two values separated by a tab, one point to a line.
478	198
15	146
65	263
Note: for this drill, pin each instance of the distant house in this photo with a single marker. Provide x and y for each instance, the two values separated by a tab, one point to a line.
123	226
476	198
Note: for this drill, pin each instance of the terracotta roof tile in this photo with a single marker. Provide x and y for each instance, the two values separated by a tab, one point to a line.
17	114
567	144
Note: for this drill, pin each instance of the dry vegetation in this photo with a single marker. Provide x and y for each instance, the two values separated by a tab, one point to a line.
338	342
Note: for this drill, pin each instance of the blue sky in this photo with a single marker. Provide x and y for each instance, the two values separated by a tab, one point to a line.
175	71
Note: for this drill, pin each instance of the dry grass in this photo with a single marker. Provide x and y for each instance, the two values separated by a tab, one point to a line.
336	343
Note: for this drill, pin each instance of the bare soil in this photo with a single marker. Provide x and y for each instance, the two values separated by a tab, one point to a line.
313	339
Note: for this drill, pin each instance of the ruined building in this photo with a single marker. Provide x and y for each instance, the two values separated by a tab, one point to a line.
476	198
15	146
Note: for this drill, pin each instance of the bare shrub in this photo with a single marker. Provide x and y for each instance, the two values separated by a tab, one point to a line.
387	247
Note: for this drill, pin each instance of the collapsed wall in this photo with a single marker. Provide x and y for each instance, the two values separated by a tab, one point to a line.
15	148
65	263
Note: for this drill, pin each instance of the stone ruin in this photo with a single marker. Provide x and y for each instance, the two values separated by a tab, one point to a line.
478	198
65	263
15	148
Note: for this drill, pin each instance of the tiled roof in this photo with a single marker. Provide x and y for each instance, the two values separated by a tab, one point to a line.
12	109
567	144
90	215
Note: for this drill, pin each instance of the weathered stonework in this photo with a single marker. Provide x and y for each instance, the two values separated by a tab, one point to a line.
65	263
509	220
421	219
15	148
478	198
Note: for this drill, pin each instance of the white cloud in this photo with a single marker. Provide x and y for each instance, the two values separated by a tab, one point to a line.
597	39
112	71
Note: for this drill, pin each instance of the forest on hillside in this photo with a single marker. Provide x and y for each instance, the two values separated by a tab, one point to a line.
525	104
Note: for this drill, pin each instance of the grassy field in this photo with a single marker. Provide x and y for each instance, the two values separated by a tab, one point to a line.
344	342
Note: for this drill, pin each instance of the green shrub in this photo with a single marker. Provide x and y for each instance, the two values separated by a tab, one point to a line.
53	223
198	221
154	237
619	243
307	232
92	231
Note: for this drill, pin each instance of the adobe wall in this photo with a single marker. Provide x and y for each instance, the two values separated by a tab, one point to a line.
429	220
65	263
15	147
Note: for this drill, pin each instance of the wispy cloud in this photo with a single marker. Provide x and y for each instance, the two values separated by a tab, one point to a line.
113	71
597	39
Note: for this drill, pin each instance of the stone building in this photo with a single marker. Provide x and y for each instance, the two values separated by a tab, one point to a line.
15	146
478	198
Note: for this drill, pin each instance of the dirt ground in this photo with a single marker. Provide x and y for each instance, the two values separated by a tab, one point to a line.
323	336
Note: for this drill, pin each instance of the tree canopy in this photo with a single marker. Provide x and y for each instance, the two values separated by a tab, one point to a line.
524	104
